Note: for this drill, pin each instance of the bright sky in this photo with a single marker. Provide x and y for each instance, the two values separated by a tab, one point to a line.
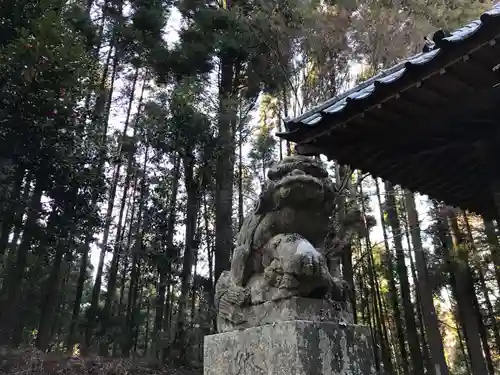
117	122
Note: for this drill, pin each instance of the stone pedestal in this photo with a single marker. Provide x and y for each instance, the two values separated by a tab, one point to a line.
292	347
296	308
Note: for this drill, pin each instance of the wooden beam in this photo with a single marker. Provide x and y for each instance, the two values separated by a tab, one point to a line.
444	125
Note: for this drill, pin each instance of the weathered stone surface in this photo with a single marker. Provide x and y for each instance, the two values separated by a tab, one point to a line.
282	250
291	348
282	306
295	308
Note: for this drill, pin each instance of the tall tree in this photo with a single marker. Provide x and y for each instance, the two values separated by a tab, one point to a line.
393	293
458	268
409	313
430	318
49	74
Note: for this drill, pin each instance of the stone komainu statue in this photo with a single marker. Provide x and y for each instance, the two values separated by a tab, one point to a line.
281	250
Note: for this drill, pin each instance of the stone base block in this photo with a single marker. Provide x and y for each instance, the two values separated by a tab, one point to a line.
295	308
291	348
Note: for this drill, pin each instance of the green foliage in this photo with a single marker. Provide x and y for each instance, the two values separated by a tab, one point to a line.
47	69
388	31
449	14
262	153
64	150
257	37
142	32
78	18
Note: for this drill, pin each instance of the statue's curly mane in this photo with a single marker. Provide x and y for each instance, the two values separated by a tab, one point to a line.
248	228
266	209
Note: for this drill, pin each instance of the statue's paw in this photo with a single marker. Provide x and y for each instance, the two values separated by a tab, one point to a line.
311	263
307	261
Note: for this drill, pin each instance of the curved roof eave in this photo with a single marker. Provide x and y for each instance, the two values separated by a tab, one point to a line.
336	105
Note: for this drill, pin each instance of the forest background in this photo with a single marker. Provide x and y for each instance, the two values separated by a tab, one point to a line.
135	135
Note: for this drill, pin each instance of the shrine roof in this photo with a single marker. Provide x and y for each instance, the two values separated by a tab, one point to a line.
441	44
411	123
